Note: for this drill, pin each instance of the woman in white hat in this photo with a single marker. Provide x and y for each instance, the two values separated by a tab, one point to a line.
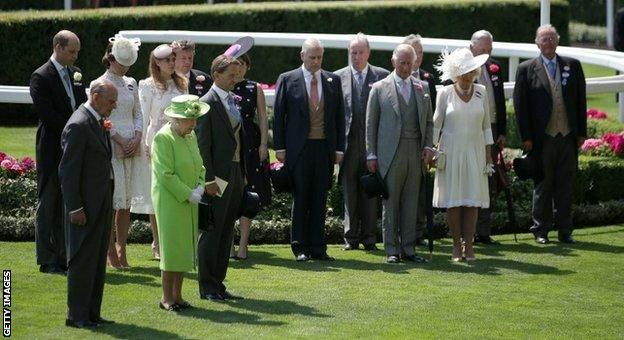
461	127
126	132
155	94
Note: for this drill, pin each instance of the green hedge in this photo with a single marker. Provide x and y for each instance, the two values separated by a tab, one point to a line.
29	34
599	200
592	12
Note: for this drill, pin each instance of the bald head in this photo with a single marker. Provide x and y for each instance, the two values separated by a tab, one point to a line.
103	97
66	46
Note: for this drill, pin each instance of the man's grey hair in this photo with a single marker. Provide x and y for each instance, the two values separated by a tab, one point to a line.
100	86
412	39
547	27
310	44
481	34
403	48
360	37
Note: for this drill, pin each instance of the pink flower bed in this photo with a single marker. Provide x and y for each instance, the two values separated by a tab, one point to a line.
15	166
609	145
596	114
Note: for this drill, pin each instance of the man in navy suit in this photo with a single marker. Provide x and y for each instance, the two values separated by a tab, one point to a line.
57	90
491	78
198	82
360	220
550	105
308	135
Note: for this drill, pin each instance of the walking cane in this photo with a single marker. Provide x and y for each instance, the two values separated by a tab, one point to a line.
429	210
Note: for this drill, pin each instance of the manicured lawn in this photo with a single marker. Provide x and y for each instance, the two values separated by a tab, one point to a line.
515	290
18	141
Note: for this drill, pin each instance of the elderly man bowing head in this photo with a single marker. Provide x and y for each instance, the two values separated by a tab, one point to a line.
399	124
86	177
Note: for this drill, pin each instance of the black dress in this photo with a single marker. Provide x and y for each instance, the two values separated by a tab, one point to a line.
257	172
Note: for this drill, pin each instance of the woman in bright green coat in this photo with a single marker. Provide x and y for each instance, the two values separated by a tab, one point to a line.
178	183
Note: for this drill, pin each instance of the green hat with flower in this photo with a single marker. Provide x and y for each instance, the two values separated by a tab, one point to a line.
186	106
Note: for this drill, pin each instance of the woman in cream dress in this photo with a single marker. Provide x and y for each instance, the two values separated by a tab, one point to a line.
126	132
461	127
155	94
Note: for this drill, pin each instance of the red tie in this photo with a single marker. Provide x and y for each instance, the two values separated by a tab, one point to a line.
314	97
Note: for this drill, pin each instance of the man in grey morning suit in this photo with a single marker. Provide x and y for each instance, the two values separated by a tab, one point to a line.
399	124
550	103
86	177
360	219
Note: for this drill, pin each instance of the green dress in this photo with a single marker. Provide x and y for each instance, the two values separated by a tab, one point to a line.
177	169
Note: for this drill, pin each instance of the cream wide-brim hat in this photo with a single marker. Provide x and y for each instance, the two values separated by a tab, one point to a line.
460	61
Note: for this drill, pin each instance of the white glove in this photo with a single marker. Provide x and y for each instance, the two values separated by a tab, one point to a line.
196	194
489	169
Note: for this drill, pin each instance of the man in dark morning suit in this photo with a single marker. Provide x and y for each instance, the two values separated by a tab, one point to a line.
221	145
309	136
57	90
86	176
491	78
399	127
360	219
198	82
550	104
419	73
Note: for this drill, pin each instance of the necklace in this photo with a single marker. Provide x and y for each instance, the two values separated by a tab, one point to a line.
463	92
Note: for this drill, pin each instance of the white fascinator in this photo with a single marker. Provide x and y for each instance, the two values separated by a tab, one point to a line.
460	61
125	50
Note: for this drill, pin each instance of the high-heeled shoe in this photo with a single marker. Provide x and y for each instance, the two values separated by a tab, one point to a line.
456	257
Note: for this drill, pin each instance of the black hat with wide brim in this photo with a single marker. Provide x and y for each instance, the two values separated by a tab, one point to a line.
528	166
240	47
250	205
374	185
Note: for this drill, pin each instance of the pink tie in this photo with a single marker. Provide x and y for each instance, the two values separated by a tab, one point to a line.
314	97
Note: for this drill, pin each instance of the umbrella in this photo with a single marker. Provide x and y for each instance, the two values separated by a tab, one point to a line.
503	182
429	210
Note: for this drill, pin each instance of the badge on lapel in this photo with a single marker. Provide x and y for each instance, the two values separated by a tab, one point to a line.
565	75
200	78
130	87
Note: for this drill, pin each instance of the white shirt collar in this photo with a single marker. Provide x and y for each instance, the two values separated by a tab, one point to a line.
364	71
91	110
308	75
223	94
56	64
398	79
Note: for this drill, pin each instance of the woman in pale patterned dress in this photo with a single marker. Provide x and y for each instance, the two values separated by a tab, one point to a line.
461	126
155	94
126	134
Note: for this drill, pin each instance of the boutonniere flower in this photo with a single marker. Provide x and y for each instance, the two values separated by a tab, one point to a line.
77	76
426	75
329	80
566	68
493	68
107	125
200	78
237	98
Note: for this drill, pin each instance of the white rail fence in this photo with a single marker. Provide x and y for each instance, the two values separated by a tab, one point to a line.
512	51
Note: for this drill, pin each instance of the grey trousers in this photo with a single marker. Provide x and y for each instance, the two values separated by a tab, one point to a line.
400	210
213	248
360	218
552	197
484	221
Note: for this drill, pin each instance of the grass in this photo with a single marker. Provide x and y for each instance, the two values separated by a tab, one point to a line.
515	290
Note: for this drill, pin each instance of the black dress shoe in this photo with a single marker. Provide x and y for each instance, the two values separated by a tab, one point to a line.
80	324
350	246
541	239
393	259
52	268
302	258
102	321
422	242
323	257
229	296
370	247
184	305
414	258
566	239
487	240
215	297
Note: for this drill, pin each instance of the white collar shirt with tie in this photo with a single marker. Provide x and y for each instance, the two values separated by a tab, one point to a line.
404	86
364	72
307	76
63	72
224	96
